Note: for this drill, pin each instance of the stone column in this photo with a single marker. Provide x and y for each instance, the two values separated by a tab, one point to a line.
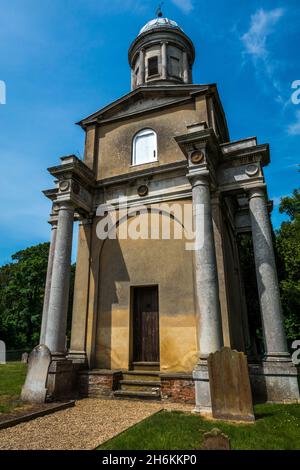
266	274
142	68
59	293
207	289
48	282
275	380
164	61
185	68
81	293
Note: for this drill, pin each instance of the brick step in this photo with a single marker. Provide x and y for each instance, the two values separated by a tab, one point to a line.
140	385
141	376
137	395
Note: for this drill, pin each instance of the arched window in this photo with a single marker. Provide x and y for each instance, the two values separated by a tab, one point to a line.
144	147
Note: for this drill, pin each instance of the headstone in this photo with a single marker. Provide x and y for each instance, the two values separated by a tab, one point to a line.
230	389
2	352
25	357
216	440
34	389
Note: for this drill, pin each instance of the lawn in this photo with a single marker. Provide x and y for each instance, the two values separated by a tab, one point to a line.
276	427
12	377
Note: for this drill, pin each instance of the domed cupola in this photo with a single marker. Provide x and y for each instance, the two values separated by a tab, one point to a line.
162	54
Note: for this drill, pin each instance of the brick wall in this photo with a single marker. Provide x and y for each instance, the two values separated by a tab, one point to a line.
178	389
98	384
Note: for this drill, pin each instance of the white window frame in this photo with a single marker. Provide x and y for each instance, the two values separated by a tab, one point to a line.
135	159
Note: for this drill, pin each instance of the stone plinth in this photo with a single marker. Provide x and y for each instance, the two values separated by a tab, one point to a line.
230	386
274	382
62	379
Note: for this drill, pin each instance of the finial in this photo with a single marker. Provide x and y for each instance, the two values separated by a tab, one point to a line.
159	12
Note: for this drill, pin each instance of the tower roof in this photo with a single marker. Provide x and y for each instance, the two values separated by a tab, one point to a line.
158	23
161	53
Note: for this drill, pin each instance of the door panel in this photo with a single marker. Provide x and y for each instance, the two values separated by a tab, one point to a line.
145	324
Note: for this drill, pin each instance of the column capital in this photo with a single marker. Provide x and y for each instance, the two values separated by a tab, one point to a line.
200	179
65	206
259	191
53	224
86	221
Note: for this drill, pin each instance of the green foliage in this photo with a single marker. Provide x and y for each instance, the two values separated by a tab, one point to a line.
290	205
22	285
288	254
276	427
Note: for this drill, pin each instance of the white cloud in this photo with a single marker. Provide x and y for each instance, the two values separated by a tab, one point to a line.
261	26
294	128
185	5
255	46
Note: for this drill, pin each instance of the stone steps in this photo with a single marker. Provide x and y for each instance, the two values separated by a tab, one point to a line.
141	375
139	385
137	395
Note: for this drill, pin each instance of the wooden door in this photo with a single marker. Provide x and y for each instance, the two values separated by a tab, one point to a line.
145	324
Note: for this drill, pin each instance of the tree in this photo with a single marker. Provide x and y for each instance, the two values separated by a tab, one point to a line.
288	253
22	285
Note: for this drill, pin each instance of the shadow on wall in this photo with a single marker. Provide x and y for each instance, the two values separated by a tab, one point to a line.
112	269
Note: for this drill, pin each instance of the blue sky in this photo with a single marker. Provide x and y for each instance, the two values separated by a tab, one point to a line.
63	59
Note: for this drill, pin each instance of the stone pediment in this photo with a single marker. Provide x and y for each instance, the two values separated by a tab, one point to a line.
142	100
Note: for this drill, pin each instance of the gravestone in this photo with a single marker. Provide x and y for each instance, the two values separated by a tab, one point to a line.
230	389
216	440
34	389
2	352
24	358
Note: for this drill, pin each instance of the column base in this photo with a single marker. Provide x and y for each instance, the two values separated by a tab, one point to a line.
202	388
77	357
275	380
277	357
62	379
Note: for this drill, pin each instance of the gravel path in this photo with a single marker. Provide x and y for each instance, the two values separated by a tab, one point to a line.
84	427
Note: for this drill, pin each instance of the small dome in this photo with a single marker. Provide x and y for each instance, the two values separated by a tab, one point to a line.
159	23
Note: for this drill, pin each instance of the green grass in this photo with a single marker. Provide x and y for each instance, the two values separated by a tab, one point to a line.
12	377
276	427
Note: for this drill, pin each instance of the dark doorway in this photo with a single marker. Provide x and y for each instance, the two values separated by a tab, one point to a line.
145	325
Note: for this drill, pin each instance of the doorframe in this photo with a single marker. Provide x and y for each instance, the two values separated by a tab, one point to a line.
131	315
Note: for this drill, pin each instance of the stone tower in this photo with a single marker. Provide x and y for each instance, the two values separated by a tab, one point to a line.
161	54
148	305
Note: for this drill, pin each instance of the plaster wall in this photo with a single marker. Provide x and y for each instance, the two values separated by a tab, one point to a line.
114	152
126	263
